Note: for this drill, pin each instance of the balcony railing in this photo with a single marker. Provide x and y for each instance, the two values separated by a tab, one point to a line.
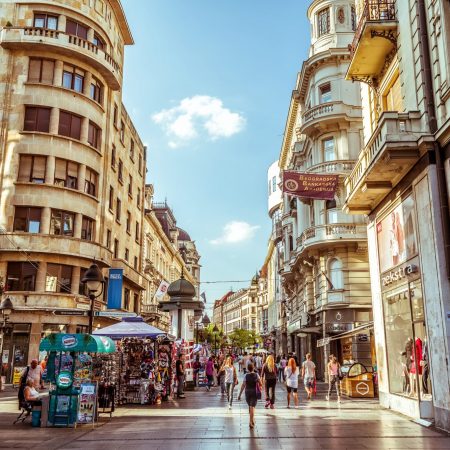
336	167
150	309
374	11
277	232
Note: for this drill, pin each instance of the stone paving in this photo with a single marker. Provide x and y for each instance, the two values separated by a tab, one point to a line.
203	421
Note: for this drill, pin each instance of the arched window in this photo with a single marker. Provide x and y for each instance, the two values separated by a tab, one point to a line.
336	275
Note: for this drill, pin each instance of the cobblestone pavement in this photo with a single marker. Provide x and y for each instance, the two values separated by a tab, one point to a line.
203	421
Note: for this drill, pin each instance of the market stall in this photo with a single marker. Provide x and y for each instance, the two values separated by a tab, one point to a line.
358	381
144	361
70	370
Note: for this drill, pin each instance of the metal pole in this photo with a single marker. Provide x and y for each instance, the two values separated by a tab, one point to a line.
91	313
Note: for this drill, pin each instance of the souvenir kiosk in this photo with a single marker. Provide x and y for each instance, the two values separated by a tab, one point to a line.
358	380
73	394
145	357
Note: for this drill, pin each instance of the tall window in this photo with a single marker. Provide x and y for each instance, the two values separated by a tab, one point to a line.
58	278
118	208
87	228
122	131
111	198
329	153
21	276
76	29
116	248
46	21
113	157
120	171
37	118
98	41
108	239
332	212
138	198
61	223
94	135
132	149
130	186
325	93
73	78
90	182
274	184
32	169
66	173
323	18
137	229
336	275
128	222
115	115
127	255
126	298
69	125
140	164
96	90
27	219
41	70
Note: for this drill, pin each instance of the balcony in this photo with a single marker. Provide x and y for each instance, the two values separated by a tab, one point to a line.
324	235
277	233
334	167
395	146
151	310
32	38
318	118
375	41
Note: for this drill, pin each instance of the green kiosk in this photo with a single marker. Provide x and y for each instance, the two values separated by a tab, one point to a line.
69	369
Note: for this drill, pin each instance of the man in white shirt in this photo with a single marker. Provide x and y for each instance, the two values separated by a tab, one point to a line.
309	375
35	374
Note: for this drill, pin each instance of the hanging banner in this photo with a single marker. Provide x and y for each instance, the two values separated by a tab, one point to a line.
162	290
309	185
115	282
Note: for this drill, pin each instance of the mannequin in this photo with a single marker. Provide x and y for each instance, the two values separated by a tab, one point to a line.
426	369
416	366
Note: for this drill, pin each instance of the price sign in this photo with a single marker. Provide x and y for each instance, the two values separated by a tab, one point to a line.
87	403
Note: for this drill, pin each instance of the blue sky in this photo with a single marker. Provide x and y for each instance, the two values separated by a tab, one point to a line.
208	85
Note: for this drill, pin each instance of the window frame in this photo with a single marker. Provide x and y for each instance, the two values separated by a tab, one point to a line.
324	93
27	218
72	128
22	276
66	182
74	76
79	26
91	182
45	17
31	178
323	13
41	61
87	232
65	215
94	135
60	286
41	119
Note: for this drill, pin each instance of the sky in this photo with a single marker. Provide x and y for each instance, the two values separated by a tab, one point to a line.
208	85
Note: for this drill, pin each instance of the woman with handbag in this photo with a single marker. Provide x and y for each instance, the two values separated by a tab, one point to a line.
252	385
231	379
334	377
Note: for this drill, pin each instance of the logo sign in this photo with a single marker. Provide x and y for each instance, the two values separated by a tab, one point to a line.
307	185
362	388
69	341
115	282
398	274
64	380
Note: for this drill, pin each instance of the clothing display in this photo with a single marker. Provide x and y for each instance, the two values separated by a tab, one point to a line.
416	357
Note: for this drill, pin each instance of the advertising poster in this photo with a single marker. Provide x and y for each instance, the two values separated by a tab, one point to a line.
87	403
396	236
16	375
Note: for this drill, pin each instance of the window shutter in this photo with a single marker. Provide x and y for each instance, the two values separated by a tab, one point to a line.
34	70
75	129
82	32
71	27
64	123
91	134
72	170
47	71
39	167
35	214
24	168
43	120
30	118
60	169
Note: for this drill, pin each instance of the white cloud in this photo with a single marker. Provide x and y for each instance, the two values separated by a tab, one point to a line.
234	232
194	115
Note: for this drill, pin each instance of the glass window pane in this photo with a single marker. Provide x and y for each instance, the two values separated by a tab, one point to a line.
39	21
67	80
68	224
52	22
78	83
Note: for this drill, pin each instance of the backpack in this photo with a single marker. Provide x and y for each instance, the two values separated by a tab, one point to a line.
22	384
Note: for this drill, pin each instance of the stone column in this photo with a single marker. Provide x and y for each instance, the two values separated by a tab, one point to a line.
58	75
54	121
90	35
84	130
50	170
75	282
41	276
45	220
62	23
87	84
81	176
35	340
77	225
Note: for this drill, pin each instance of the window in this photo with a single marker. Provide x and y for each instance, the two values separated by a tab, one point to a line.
32	169
329	153
37	118
126	298
137	232
46	21
21	276
274	184
73	78
116	248
325	93
66	173
336	275
87	228
27	219
58	278
115	115
120	171
118	208
132	149
111	198
61	223
323	18
69	125
140	164
113	157
353	15
135	264
76	29
94	135
90	182
128	222
130	186
393	98
41	70
332	212
138	198
127	255
122	131
96	90
108	238
98	41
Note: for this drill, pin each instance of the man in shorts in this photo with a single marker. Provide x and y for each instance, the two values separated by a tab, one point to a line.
309	375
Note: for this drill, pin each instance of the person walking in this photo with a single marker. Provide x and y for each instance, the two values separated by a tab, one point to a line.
240	362
209	371
291	375
179	369
269	377
283	364
309	375
251	384
334	373
231	379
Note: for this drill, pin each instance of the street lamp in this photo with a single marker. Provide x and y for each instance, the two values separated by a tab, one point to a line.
6	308
215	330
94	281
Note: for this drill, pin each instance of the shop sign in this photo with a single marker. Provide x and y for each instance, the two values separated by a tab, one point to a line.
323	342
362	388
5	356
17	374
115	282
335	327
87	402
398	274
308	185
64	380
293	326
363	338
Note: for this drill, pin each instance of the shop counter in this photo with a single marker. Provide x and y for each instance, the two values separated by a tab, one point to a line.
358	381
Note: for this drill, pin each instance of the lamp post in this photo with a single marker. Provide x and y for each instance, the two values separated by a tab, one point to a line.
94	281
6	308
215	331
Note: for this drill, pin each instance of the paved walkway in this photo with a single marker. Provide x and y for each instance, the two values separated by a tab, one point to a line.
203	421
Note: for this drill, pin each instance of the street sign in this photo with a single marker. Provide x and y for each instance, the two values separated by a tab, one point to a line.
115	314
84	306
323	342
70	312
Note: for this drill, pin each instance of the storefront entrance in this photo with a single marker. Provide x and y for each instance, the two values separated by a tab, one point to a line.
15	349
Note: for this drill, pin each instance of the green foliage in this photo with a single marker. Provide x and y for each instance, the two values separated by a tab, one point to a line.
244	338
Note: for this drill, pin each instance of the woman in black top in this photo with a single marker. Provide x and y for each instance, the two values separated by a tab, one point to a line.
250	384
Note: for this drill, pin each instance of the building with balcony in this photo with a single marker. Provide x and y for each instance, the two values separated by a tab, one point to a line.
400	54
240	310
218	310
325	298
72	167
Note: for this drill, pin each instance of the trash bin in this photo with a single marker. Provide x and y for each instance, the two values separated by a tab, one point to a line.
36	418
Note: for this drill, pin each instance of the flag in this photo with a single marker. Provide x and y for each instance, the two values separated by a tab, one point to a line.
203	296
162	290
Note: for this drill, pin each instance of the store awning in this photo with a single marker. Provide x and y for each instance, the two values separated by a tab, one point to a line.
131	327
61	342
354	332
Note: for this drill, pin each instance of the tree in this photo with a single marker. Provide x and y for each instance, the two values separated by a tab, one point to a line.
244	338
